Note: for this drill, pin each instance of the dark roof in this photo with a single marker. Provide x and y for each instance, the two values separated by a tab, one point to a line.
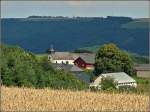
77	72
76	69
61	66
142	67
83	76
88	57
66	67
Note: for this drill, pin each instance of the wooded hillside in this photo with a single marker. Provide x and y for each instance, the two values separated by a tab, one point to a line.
36	33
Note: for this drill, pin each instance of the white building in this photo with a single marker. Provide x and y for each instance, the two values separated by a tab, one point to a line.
61	57
121	79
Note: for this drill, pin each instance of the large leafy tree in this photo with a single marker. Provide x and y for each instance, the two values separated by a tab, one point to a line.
109	58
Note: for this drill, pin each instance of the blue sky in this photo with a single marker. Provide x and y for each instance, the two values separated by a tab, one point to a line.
135	9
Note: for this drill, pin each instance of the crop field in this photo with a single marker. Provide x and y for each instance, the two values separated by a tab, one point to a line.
29	99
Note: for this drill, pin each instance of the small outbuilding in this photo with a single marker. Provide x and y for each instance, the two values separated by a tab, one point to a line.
142	70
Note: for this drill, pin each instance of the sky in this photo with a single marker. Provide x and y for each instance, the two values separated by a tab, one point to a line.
21	9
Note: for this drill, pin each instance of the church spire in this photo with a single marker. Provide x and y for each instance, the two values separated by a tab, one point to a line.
51	50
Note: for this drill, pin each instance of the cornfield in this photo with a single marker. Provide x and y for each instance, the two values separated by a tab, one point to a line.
28	99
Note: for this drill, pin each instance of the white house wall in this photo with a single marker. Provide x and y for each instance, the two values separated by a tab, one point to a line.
132	84
63	61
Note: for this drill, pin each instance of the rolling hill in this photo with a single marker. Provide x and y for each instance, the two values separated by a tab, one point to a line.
37	33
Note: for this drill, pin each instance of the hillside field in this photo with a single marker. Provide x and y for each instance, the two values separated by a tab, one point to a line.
29	99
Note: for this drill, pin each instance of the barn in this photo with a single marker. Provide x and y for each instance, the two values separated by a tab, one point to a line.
85	61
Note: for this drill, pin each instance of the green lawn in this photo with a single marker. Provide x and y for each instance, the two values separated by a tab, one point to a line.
140	80
41	56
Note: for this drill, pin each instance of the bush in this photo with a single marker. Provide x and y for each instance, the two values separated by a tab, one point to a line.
108	83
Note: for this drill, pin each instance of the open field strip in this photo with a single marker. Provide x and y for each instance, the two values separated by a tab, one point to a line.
27	99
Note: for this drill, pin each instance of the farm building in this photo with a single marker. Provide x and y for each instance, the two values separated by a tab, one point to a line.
75	70
85	61
142	70
61	57
121	79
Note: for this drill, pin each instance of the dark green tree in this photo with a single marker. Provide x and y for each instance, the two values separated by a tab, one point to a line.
109	58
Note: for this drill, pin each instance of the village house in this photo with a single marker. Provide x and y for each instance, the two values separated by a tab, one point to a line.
75	70
121	79
142	70
61	57
85	61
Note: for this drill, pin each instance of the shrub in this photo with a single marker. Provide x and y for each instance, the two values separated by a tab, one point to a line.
108	83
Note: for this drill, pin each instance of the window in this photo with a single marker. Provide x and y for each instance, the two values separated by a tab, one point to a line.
67	62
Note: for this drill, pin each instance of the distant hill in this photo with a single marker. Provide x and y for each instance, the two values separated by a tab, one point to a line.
136	24
37	33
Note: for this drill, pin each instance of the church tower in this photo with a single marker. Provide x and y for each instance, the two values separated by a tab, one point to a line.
51	52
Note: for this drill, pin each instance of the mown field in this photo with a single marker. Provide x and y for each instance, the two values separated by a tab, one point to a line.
29	99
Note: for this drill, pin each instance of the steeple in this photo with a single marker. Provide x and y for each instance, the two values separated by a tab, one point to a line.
51	50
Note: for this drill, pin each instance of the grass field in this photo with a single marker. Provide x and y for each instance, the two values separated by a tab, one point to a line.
28	99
